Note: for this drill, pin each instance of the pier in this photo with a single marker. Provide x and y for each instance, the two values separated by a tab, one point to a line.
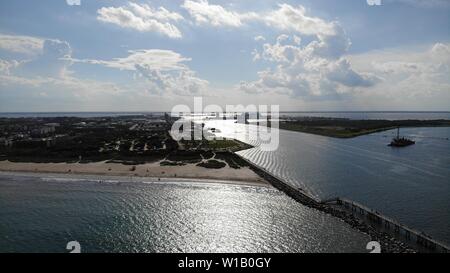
410	236
390	233
295	193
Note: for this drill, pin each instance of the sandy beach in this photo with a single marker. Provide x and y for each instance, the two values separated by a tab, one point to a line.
150	170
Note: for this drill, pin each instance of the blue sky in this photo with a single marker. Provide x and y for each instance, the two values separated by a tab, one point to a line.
116	55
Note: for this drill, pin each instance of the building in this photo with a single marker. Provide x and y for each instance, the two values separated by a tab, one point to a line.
6	142
44	130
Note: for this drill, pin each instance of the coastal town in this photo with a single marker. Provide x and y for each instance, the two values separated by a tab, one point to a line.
144	138
130	145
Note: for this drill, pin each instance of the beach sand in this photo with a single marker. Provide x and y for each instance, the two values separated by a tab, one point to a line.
150	170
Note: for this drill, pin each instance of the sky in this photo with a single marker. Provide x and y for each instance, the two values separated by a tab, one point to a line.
311	55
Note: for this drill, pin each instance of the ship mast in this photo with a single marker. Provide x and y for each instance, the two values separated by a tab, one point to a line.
398	132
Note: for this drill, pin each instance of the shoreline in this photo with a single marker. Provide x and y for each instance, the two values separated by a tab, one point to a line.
120	179
349	135
150	172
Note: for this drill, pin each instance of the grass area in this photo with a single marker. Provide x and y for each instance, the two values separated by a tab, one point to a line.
232	160
185	156
346	128
222	144
212	164
215	145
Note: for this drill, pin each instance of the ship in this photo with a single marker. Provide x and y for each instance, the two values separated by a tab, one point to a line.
401	141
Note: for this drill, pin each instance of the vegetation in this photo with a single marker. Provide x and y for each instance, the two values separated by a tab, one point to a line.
232	160
214	145
221	144
87	140
185	156
212	164
347	128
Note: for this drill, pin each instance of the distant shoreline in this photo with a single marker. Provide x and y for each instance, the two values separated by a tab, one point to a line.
150	171
346	128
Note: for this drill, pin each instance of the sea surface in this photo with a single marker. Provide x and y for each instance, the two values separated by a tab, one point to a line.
40	213
411	184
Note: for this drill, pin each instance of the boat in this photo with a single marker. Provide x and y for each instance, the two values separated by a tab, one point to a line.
401	141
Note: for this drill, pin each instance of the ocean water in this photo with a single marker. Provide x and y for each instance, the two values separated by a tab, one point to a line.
40	214
411	184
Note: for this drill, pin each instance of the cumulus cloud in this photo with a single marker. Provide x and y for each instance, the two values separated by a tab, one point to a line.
216	15
45	57
51	61
40	56
181	82
341	72
142	17
164	70
440	53
416	77
317	70
285	17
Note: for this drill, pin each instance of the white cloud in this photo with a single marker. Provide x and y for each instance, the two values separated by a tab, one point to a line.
164	70
315	71
287	17
51	62
152	59
440	53
181	82
432	59
259	38
157	71
46	69
216	15
415	77
21	44
73	2
142	18
162	14
7	66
